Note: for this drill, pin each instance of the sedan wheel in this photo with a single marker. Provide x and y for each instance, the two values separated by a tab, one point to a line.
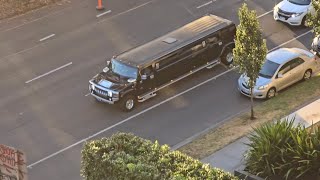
307	75
271	93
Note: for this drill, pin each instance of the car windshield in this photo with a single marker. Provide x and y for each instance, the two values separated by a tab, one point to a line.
268	69
300	2
123	69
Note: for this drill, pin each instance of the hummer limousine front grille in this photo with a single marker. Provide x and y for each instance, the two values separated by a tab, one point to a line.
100	92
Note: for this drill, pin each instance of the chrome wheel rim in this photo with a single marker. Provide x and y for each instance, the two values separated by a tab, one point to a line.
129	104
271	93
229	57
307	75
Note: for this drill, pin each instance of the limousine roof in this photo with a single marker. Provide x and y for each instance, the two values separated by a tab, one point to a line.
146	53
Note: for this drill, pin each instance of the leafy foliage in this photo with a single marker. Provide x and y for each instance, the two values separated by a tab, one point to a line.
128	157
250	48
313	20
281	150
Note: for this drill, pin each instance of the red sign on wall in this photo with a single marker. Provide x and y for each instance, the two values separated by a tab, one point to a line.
12	164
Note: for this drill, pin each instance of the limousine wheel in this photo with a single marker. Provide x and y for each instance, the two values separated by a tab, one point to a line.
227	57
128	103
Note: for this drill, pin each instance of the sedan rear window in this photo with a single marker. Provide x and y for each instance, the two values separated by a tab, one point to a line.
268	69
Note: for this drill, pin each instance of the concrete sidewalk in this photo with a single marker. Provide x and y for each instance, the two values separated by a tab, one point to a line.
231	157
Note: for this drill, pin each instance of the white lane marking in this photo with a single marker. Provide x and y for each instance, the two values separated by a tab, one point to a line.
205	4
127	119
52	71
47	37
290	40
264	14
104	13
129	10
87	94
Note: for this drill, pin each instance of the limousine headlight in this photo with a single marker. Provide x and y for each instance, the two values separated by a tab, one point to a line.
263	87
110	93
91	87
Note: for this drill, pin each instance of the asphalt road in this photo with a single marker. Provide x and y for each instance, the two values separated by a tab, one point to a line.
48	115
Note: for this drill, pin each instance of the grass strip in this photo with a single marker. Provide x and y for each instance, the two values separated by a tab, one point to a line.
11	8
280	106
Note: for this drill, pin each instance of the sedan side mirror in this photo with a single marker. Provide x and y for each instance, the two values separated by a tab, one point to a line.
108	63
280	75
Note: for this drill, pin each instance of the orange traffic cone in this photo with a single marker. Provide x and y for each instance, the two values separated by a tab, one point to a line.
99	7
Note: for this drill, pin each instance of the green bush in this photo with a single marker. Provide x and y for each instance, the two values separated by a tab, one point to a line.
125	156
282	151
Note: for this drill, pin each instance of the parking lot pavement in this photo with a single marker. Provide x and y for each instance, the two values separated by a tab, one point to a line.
50	117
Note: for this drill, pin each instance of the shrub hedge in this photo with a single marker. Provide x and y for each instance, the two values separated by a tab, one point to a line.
128	157
281	150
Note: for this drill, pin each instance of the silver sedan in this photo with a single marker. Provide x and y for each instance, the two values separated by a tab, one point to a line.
282	68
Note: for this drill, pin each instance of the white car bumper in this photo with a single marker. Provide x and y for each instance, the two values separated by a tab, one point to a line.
294	21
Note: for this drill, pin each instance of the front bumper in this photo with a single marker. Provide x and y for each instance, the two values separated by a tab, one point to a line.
101	94
293	21
103	99
259	94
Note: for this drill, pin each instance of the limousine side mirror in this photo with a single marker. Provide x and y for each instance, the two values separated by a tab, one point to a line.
108	63
106	69
131	80
144	76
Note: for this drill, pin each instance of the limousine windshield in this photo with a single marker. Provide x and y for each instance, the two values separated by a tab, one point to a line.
123	69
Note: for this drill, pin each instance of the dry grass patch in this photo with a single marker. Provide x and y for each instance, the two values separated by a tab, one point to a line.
286	102
10	8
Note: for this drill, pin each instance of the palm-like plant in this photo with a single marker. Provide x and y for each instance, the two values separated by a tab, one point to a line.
281	150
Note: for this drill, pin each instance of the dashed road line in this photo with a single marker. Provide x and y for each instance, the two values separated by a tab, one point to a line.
47	37
266	13
291	40
52	71
129	10
104	13
205	4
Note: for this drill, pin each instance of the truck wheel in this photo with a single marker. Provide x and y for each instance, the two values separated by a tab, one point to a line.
128	103
227	56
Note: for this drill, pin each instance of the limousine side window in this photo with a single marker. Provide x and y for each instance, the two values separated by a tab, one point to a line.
213	39
168	59
228	33
199	47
